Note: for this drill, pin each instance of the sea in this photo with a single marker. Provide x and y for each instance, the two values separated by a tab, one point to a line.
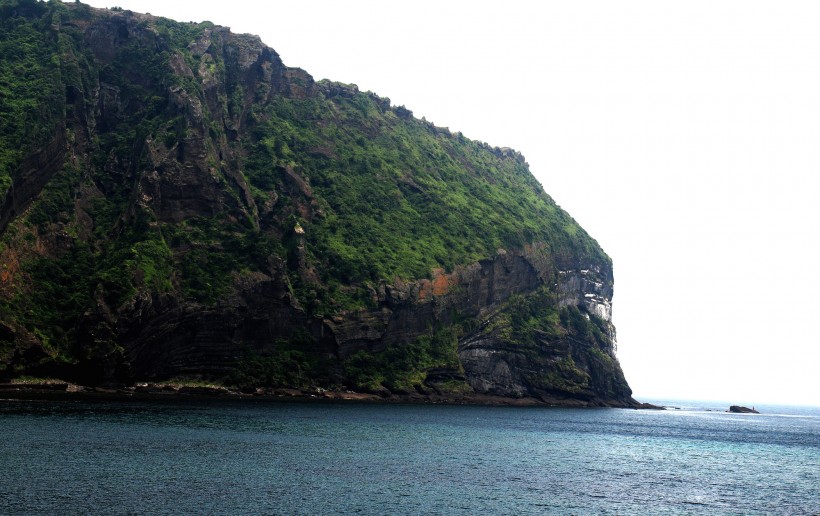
234	457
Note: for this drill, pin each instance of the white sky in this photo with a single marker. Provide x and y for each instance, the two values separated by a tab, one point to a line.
682	135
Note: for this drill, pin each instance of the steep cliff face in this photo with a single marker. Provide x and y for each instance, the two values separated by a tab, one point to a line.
193	208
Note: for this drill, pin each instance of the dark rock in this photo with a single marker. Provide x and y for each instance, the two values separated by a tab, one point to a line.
33	174
204	391
737	409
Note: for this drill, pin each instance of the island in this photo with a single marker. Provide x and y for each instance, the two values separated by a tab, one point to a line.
178	207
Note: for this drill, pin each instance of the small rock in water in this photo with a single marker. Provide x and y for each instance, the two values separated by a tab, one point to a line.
737	409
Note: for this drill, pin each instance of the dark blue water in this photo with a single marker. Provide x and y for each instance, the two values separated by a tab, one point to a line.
251	457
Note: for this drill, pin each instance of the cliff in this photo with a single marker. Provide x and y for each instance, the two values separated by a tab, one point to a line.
180	205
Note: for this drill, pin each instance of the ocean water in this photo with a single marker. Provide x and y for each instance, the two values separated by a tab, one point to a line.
263	457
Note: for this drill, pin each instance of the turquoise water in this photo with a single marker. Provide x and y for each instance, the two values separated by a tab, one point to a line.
252	457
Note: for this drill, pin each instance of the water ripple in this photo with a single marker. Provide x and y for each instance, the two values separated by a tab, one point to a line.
277	458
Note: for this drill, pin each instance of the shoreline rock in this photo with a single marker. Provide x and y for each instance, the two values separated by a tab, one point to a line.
158	391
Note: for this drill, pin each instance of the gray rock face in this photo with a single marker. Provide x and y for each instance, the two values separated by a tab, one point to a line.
592	289
165	340
211	340
408	310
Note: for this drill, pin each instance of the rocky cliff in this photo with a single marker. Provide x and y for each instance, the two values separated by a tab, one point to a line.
182	205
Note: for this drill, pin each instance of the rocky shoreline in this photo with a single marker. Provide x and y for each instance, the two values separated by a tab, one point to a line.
57	391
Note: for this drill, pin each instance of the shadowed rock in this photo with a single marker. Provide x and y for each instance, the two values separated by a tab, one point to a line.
738	409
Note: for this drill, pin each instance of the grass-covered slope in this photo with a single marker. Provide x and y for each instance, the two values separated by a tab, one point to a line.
397	197
156	171
400	196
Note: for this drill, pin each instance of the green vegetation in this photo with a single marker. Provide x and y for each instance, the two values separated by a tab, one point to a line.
56	202
30	87
288	365
535	315
401	197
400	368
589	328
563	376
209	252
64	286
